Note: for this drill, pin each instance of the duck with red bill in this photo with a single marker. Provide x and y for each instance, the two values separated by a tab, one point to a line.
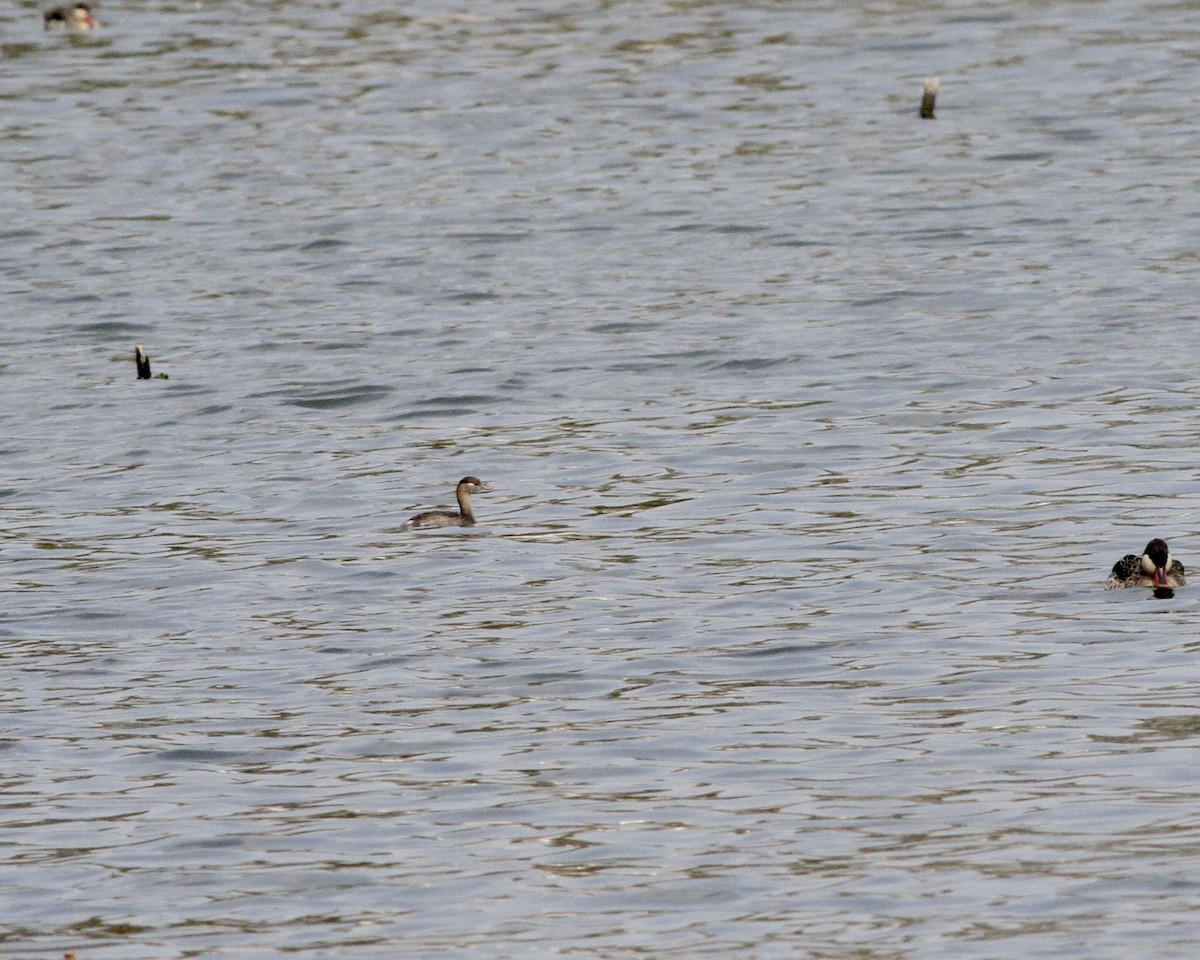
78	17
1154	568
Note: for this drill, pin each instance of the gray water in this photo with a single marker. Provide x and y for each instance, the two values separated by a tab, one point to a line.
813	429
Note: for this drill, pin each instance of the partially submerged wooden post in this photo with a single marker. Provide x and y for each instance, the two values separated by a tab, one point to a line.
928	98
142	362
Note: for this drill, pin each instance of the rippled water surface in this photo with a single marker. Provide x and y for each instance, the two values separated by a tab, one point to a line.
813	429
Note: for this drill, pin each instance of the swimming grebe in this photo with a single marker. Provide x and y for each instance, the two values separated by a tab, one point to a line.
448	518
1154	568
78	17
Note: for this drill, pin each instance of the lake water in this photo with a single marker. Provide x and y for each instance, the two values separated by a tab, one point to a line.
813	430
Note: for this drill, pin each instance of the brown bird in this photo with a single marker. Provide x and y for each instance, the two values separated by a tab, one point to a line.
1154	568
448	518
78	17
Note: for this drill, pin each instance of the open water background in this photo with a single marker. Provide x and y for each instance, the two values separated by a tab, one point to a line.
813	428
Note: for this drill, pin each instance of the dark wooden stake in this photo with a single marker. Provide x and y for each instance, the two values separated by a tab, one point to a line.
928	98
